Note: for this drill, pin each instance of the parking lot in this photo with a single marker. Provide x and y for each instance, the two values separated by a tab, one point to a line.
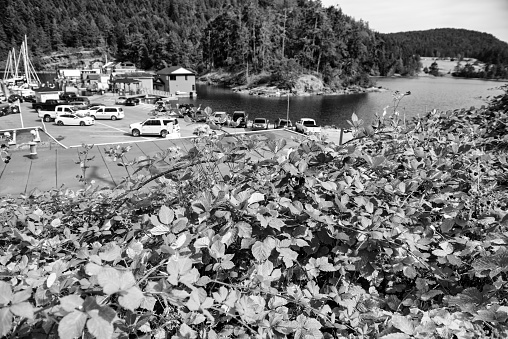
103	132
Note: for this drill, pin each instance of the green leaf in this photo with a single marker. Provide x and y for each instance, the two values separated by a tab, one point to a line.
221	295
131	299
430	294
261	251
329	185
178	267
377	161
288	256
160	230
447	225
110	252
21	296
5	321
193	303
71	326
410	272
113	281
5	293
202	242
403	324
244	229
396	336
99	327
447	248
166	215
255	197
23	309
187	332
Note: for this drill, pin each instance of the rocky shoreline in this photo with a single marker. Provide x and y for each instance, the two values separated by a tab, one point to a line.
272	91
305	85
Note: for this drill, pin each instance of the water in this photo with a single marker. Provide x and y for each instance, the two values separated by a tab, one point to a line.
427	93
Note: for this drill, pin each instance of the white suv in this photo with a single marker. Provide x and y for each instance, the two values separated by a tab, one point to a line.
155	126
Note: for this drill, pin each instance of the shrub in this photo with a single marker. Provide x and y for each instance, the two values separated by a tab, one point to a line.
399	233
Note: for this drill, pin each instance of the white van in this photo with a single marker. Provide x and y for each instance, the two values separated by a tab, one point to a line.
108	112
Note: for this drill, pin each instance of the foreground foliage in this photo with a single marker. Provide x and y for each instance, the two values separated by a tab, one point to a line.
400	233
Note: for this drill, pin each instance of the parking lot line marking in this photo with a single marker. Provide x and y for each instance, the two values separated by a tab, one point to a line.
118	129
21	116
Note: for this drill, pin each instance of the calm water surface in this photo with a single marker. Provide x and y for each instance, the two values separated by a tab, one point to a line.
427	93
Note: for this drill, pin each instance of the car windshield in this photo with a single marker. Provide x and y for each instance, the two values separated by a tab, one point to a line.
259	121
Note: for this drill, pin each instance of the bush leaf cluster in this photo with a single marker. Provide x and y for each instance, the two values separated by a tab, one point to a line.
399	233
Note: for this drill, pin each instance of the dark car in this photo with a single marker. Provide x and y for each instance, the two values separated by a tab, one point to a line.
239	119
132	101
68	96
6	109
81	99
14	97
283	123
259	123
29	98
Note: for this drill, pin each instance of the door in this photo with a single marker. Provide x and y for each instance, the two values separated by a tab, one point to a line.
151	127
100	114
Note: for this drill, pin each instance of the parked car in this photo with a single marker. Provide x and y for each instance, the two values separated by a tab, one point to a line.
74	120
259	123
68	96
307	126
131	101
239	118
78	104
107	112
95	104
6	109
14	97
155	126
81	99
219	118
29	98
283	123
120	100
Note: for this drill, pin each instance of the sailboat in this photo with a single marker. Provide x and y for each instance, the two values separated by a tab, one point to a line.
19	71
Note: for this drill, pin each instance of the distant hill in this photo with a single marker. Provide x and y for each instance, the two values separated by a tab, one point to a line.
453	43
282	38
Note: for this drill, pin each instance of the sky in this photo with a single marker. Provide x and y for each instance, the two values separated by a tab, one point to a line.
489	16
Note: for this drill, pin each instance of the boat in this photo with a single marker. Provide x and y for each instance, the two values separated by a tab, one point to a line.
19	72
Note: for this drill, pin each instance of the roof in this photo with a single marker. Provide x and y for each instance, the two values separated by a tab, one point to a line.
70	72
93	76
175	70
46	89
126	81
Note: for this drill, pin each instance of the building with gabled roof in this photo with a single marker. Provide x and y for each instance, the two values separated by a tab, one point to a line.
176	80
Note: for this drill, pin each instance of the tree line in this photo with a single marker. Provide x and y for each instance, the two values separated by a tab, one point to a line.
281	37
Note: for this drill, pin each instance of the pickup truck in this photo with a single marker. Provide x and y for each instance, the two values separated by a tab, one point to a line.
307	126
48	105
48	116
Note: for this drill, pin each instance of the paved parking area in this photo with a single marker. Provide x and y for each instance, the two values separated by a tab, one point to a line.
55	165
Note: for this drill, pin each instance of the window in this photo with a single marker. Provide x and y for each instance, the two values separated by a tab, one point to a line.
110	110
193	87
172	77
185	78
156	122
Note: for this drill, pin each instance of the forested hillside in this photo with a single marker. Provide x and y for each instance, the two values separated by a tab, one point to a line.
458	44
280	37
